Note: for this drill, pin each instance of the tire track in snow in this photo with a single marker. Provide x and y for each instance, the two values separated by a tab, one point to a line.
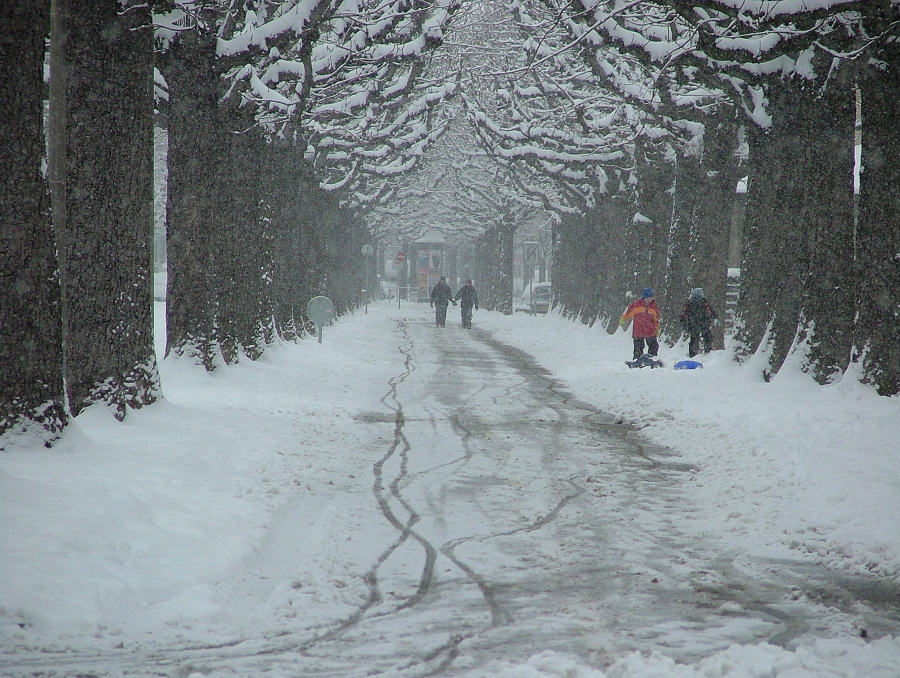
400	445
500	616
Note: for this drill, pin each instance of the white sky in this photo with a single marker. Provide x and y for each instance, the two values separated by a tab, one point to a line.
127	535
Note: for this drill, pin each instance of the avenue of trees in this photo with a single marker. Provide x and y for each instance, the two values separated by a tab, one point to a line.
299	130
282	117
646	114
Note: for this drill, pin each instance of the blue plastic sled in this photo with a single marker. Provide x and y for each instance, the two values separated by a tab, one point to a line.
688	365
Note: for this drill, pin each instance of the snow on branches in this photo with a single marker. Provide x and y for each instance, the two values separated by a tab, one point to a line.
340	78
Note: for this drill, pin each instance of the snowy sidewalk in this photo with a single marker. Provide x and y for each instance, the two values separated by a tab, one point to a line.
786	465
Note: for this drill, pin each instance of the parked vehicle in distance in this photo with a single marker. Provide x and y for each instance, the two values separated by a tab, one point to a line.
536	298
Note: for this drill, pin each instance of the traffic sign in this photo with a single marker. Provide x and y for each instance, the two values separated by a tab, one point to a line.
321	311
367	250
400	258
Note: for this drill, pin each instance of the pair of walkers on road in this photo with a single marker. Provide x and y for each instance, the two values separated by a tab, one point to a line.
697	318
442	295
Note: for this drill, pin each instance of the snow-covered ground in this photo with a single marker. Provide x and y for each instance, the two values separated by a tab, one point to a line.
786	464
121	529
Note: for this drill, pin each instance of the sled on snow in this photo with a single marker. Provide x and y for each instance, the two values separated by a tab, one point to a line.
688	365
645	361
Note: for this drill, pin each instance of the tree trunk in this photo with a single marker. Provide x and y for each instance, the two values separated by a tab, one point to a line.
796	279
654	192
565	260
487	258
830	287
507	246
239	270
108	274
592	269
878	327
31	384
588	245
699	224
752	313
287	226
679	278
719	174
495	262
777	251
194	204
615	274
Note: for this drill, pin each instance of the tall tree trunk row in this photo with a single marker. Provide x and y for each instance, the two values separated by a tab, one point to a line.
878	262
194	212
108	274
31	384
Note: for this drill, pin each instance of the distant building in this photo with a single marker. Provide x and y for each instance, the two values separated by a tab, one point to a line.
428	266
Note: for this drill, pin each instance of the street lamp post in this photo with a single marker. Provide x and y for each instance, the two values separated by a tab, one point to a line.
367	251
398	260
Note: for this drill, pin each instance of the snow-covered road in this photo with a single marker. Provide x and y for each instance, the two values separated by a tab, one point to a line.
523	518
465	513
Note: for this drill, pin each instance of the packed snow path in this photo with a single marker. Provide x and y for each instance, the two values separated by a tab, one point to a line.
527	519
490	516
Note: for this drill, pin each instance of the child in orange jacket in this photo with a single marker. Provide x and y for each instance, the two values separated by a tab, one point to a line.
644	316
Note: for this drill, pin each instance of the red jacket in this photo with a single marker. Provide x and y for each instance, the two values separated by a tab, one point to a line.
645	314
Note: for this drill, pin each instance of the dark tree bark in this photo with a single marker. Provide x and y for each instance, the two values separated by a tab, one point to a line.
309	231
698	226
654	193
566	261
878	328
331	242
239	272
220	217
108	273
506	245
258	328
350	267
760	245
613	272
487	260
634	259
777	251
331	283
830	307
719	173
277	245
595	263
282	214
194	213
495	265
796	281
31	385
589	269
687	190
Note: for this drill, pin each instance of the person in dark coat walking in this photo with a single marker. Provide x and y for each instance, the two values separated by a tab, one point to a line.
441	294
644	316
467	298
696	319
